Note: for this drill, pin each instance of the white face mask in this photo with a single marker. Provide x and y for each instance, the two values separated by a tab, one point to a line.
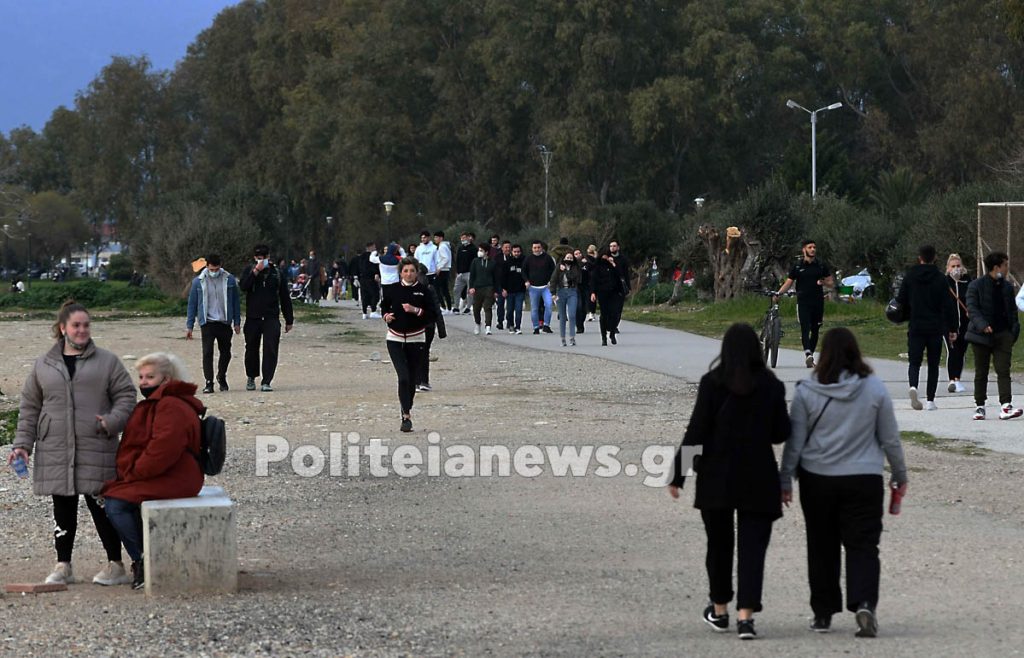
481	254
213	274
956	272
999	275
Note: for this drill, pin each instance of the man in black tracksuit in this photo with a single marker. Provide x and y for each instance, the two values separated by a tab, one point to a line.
513	289
266	299
933	316
810	275
369	282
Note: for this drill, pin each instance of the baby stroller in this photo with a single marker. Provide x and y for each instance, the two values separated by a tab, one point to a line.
299	287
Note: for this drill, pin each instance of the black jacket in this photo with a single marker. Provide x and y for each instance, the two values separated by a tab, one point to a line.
959	289
737	468
981	304
367	268
442	330
266	294
604	279
464	257
407	323
537	269
510	275
925	296
572	277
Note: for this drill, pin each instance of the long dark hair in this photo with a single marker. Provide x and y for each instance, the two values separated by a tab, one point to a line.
740	360
839	352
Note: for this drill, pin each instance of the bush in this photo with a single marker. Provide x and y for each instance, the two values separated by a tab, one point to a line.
120	268
91	293
8	426
659	294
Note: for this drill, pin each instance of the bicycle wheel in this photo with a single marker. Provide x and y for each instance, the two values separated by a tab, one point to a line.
776	335
766	340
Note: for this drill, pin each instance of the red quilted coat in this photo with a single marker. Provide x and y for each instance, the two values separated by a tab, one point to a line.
156	459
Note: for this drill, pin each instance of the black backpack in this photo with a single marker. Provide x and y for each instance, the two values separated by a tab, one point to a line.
213	444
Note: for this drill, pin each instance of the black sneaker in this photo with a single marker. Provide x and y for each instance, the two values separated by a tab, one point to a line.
536	331
250	384
718	623
611	336
209	387
546	329
745	629
821	624
867	623
138	575
223	383
406	425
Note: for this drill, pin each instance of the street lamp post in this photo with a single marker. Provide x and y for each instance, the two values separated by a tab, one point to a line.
330	236
545	158
814	141
388	207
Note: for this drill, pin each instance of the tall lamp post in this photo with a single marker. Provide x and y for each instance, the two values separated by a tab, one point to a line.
330	236
793	105
388	207
545	158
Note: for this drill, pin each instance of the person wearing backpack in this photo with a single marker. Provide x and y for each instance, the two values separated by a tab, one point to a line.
158	457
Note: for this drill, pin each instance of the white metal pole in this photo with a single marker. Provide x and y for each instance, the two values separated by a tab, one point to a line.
814	155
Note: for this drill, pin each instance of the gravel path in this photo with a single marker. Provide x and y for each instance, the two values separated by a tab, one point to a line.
498	565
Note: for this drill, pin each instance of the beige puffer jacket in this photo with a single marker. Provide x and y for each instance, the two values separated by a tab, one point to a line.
72	454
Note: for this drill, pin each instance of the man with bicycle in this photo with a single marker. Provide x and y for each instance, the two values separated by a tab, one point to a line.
810	276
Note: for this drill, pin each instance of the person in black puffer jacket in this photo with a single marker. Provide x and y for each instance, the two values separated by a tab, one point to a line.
932	314
957	280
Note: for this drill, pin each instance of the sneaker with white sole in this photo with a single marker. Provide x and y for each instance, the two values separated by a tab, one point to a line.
375	316
476	330
512	330
112	574
487	330
960	387
1008	411
519	332
979	413
745	629
952	387
62	575
930	406
718	623
867	623
365	316
915	401
809	360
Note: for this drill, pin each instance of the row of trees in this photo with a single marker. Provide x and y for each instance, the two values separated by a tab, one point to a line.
285	112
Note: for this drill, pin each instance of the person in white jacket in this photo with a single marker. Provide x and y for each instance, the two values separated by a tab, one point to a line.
444	267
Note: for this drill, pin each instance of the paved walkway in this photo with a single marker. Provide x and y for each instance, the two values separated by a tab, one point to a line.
685	355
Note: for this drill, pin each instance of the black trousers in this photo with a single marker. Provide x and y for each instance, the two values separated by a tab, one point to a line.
221	333
917	344
444	294
611	312
65	527
811	315
754	533
842	512
269	331
956	354
582	303
424	372
407	358
369	293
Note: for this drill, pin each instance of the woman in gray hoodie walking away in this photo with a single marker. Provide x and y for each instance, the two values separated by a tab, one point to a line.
843	430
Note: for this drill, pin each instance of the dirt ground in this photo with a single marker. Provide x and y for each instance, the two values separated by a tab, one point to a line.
364	565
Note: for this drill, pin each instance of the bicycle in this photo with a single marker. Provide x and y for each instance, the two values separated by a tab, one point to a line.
771	330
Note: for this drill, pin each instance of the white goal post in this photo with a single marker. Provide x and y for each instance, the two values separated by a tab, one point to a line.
1001	228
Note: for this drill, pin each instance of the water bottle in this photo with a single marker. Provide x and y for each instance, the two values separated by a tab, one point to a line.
20	467
896	502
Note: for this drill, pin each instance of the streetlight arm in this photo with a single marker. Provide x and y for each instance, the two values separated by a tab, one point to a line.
793	105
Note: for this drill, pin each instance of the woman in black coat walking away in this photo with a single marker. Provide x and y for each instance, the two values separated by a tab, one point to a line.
408	311
739	413
607	287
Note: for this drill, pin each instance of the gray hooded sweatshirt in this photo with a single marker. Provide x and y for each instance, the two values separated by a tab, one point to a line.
853	436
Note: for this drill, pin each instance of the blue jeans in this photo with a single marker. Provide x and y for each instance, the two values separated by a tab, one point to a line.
127	520
540	297
514	310
567	311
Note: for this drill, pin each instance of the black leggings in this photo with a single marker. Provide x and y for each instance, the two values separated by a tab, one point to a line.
956	354
65	527
407	358
611	312
423	376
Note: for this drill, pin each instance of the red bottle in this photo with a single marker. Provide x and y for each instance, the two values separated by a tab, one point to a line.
897	499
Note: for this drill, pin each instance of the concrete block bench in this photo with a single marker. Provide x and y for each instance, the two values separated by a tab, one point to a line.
189	544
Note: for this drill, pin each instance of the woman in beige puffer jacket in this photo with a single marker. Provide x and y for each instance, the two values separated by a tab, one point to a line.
74	404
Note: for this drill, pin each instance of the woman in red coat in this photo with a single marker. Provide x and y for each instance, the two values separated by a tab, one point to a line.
158	455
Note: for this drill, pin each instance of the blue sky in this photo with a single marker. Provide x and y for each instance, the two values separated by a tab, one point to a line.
51	49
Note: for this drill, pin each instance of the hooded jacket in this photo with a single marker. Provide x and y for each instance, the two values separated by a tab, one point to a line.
510	275
158	457
854	436
483	274
427	254
71	452
197	298
266	294
388	263
925	295
444	256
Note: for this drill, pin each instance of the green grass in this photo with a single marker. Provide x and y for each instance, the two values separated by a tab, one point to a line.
877	336
43	298
931	442
8	425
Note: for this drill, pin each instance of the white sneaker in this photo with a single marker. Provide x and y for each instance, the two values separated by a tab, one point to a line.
365	316
375	315
1008	411
61	575
487	331
590	317
915	402
112	574
809	360
930	406
960	387
519	332
979	413
952	387
476	330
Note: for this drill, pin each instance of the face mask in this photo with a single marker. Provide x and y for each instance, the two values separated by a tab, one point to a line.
147	390
213	274
262	261
481	254
956	272
75	345
999	275
464	242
